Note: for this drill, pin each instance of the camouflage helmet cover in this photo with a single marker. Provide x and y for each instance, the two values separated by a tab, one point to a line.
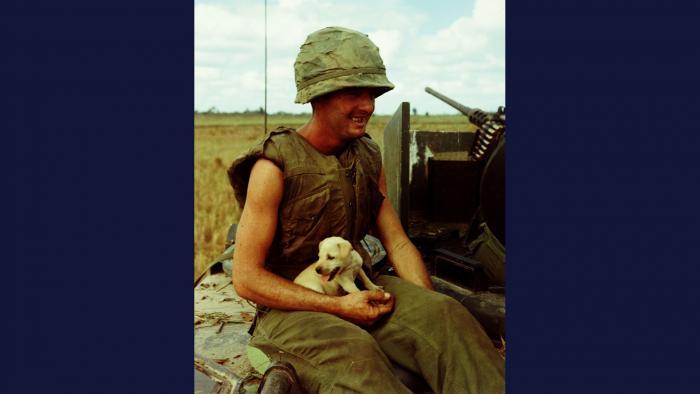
334	58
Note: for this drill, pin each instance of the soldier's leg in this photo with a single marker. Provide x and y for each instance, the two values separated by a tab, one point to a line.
435	336
329	354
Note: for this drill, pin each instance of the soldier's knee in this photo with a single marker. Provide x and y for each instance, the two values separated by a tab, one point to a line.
441	305
363	346
358	365
343	340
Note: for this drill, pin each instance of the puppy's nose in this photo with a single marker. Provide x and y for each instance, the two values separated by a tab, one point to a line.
318	270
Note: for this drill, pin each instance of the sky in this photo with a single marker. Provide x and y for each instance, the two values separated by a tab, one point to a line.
454	47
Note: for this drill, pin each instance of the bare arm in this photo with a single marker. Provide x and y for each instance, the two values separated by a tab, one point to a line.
401	252
256	231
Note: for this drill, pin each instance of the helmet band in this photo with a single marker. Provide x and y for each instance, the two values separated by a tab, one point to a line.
341	73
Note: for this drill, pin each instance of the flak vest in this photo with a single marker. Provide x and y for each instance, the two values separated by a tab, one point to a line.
324	195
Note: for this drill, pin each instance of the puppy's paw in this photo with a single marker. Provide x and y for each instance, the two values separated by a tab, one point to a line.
372	286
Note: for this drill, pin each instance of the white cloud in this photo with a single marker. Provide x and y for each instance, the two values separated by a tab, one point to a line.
465	59
389	43
207	73
490	14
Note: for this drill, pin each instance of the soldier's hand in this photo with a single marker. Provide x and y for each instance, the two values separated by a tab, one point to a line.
365	307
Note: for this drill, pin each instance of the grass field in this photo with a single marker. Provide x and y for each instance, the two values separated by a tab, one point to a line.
220	138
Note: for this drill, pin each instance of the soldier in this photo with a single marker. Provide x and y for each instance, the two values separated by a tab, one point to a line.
299	187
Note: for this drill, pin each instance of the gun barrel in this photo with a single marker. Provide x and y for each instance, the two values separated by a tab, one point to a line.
459	107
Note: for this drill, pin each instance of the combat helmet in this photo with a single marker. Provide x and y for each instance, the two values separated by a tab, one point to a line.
334	58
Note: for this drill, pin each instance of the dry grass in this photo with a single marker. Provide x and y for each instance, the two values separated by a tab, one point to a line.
219	139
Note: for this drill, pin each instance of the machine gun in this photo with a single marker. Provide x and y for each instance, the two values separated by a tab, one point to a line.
491	126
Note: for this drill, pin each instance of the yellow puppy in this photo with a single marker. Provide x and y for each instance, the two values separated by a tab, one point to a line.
335	270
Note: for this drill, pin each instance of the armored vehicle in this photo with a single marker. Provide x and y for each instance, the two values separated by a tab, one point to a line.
449	191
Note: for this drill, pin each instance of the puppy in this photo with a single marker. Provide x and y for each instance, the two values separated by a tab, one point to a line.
335	270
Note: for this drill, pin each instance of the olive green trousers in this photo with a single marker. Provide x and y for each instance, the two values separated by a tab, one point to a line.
427	332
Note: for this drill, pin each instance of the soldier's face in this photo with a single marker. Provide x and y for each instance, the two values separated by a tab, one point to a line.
347	111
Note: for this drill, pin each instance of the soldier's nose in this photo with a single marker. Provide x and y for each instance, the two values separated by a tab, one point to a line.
367	103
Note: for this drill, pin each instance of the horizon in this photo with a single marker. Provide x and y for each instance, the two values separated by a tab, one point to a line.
252	112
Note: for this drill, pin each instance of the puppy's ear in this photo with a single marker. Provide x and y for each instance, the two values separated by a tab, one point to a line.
322	248
345	248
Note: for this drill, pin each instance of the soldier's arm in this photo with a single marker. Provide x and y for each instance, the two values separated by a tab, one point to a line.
401	252
256	231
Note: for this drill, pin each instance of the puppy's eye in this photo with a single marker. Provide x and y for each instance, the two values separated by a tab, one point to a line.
329	257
